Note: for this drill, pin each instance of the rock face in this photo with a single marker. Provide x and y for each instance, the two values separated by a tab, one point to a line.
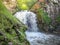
52	7
53	10
10	5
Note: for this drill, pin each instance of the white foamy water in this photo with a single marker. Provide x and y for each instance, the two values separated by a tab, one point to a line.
32	34
29	19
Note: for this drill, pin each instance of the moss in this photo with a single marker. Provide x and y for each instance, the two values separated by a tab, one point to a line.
58	19
44	20
44	16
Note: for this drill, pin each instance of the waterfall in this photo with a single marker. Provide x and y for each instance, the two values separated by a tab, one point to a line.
32	34
29	19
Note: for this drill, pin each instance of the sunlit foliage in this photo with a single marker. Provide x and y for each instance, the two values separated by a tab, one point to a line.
25	4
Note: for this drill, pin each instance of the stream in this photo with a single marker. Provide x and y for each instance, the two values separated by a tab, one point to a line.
33	35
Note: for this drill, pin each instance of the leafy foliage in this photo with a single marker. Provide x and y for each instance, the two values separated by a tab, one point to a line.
58	19
11	30
44	16
25	4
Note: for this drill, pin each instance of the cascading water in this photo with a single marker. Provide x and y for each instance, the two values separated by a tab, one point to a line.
32	34
29	19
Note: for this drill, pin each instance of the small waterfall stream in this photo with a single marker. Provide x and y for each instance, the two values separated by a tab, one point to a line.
32	34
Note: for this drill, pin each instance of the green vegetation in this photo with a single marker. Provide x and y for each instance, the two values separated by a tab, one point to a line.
25	4
44	16
11	30
58	19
